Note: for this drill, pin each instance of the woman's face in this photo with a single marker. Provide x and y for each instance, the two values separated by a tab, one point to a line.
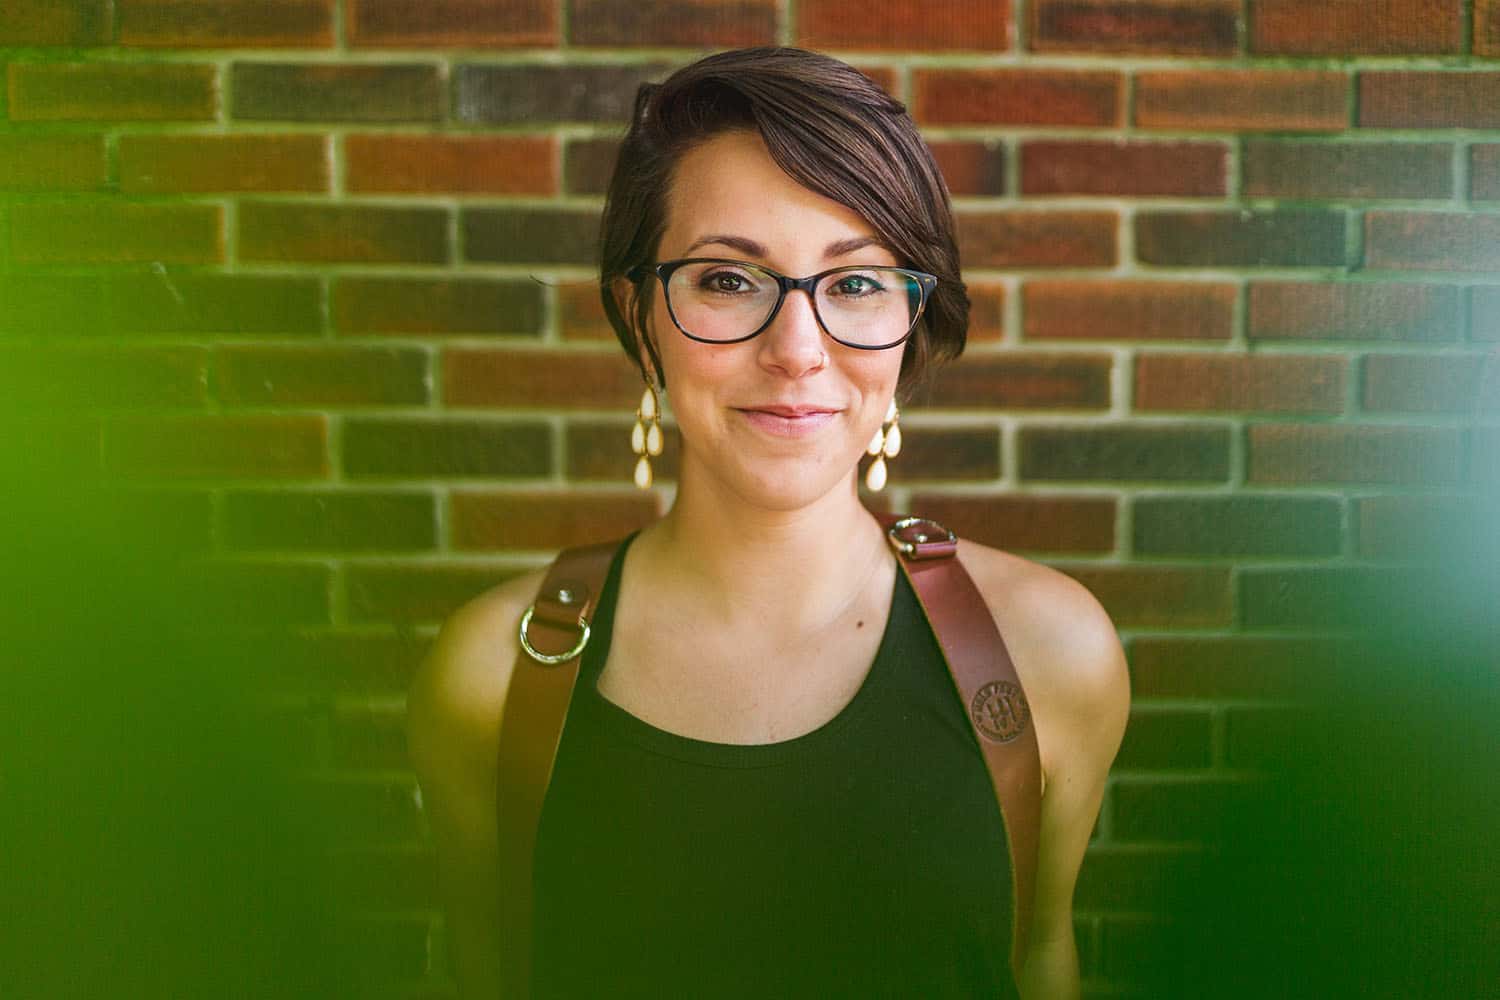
781	419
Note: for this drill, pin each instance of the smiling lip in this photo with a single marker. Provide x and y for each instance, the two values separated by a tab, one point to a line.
788	421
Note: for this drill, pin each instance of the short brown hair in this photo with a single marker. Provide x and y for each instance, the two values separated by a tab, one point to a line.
833	130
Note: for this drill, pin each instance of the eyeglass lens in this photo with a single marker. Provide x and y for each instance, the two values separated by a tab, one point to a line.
861	306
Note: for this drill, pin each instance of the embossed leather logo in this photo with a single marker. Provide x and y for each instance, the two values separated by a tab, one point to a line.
1000	711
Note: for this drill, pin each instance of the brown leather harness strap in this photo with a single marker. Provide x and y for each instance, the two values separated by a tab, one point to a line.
991	691
554	632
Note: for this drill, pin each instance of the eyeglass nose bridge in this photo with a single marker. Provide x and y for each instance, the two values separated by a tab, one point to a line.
786	284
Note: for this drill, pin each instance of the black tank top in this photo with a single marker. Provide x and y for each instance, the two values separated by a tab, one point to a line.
866	858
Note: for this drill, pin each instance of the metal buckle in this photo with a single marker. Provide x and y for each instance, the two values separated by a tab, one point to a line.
551	659
921	538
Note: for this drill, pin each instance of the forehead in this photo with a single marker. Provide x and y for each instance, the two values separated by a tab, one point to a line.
730	184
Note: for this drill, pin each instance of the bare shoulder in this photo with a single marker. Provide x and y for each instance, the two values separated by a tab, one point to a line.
457	697
1065	647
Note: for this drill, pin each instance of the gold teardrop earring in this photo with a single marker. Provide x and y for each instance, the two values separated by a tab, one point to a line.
645	436
885	444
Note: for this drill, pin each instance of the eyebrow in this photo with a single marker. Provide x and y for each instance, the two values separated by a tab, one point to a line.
837	248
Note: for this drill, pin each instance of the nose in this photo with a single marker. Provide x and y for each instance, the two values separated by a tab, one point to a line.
793	344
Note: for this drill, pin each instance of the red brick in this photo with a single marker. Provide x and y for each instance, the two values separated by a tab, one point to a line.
693	23
169	164
512	520
408	594
1225	667
115	233
971	167
1236	526
1356	27
947	454
600	451
440	164
1346	453
1201	27
52	163
329	521
218	447
165	302
48	22
1316	170
986	311
1179	812
330	92
321	376
1022	381
366	234
1338	310
1321	598
1172	739
1428	383
328	664
1266	383
1129	169
531	235
1487	28
447	449
451	23
1159	596
1127	310
225	24
1046	97
111	91
1242	100
594	380
371	738
1281	238
97	378
588	165
436	305
1125	453
1484	172
1013	239
581	313
1484	313
1074	525
938	25
536	94
255	595
1432	241
1435	99
1422	528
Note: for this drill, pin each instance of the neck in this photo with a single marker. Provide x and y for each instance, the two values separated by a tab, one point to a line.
803	565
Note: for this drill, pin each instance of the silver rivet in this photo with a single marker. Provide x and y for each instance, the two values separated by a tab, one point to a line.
921	538
565	595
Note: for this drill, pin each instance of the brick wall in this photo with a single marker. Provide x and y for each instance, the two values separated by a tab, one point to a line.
317	275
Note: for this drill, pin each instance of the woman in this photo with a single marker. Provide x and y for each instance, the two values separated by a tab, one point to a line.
767	785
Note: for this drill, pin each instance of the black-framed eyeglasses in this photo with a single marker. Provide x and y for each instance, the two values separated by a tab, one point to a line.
720	301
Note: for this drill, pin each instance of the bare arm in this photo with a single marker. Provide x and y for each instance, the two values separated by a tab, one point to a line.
453	727
1074	674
